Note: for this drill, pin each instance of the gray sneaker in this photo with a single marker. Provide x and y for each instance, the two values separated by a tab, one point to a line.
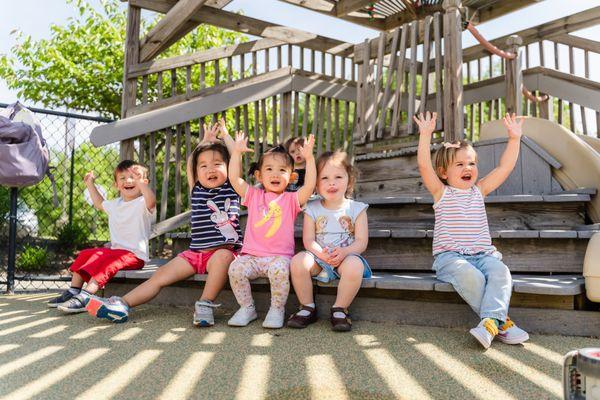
75	304
203	313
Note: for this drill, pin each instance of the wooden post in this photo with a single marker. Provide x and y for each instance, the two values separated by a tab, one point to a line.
286	117
514	78
453	87
132	56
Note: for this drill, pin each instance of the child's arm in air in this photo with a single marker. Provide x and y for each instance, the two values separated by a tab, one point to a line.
430	179
223	133
97	198
210	136
509	158
147	193
310	177
361	240
240	146
309	241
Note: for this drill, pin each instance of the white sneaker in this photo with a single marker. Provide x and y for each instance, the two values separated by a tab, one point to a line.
274	318
509	333
485	332
203	313
243	316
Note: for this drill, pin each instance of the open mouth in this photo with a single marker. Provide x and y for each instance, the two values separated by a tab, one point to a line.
212	178
275	183
466	177
128	187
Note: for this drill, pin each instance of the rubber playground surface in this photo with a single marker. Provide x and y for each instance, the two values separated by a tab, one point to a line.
160	355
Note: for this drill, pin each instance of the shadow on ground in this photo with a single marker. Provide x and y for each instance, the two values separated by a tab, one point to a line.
160	355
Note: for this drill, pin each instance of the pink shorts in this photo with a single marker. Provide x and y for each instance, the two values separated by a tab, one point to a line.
101	264
199	259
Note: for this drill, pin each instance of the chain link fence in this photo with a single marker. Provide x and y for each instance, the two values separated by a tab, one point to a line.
49	235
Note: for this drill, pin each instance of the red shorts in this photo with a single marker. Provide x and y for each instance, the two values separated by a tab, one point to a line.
101	264
199	259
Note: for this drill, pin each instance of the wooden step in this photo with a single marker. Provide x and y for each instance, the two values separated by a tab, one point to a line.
559	285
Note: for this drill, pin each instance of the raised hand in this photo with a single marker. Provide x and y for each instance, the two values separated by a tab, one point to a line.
514	125
426	123
89	178
307	149
222	128
241	143
210	133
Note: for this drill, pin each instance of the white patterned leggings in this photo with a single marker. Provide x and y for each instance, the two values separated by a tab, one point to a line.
247	267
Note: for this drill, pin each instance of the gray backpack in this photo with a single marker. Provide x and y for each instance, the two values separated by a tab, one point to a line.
24	155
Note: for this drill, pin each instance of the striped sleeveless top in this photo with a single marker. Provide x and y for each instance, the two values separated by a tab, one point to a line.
215	217
461	223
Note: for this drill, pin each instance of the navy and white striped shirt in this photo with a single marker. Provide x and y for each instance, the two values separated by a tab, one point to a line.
215	217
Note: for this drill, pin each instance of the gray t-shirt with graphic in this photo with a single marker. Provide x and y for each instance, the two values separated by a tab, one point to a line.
334	228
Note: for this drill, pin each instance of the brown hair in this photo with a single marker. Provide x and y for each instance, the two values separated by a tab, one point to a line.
339	158
279	151
445	155
298	141
126	164
204	147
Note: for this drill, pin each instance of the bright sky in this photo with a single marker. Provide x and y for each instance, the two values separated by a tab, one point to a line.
34	18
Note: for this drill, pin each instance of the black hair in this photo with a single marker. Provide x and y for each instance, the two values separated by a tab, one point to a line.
126	164
204	147
278	151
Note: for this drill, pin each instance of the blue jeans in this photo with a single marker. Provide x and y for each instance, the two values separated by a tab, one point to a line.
331	272
482	280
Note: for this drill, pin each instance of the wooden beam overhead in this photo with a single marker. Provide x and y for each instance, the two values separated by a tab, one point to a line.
500	8
253	26
328	8
169	27
345	7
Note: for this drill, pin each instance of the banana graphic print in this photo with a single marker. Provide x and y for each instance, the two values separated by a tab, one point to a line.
275	213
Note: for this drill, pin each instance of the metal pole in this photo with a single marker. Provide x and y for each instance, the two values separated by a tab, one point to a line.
12	241
71	139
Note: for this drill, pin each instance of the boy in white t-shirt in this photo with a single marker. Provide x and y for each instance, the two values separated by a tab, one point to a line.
129	219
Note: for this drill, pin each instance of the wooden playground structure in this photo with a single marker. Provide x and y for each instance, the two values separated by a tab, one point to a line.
361	97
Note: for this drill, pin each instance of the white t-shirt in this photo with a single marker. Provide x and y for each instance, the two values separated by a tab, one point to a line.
129	224
334	228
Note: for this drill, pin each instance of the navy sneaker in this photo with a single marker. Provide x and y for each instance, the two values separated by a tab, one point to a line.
113	309
75	304
64	296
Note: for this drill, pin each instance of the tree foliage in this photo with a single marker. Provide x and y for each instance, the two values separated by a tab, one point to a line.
80	67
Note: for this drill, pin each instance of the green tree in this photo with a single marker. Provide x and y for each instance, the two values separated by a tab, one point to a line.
80	66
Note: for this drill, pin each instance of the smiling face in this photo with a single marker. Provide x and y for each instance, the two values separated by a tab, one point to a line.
211	169
296	153
274	173
126	182
462	172
332	181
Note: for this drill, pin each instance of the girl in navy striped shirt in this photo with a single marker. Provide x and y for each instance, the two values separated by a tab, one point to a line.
462	247
216	237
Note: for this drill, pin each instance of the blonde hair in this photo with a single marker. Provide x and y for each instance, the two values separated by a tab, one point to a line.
349	221
339	158
445	155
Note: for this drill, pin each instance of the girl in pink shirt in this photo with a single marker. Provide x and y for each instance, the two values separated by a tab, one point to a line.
269	237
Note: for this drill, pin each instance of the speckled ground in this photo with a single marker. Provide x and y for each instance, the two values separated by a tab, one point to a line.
159	354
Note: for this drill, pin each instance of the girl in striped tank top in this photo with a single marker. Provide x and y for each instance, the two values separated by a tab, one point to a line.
216	236
462	247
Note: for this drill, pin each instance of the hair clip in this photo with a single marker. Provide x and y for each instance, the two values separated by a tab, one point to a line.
449	145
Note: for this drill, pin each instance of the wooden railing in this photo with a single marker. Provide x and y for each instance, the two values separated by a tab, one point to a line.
565	53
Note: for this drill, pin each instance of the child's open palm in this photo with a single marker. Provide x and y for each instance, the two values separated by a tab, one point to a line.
241	143
210	133
514	125
89	177
426	123
307	149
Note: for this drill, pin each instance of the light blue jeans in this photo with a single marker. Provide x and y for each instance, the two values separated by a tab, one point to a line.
482	280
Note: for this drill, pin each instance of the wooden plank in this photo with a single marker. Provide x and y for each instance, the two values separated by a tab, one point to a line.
388	84
254	27
222	99
306	115
164	193
346	138
374	102
439	104
396	112
154	42
577	41
453	60
178	170
323	86
274	115
328	8
514	183
336	125
537	176
329	126
414	27
264	126
345	7
132	54
295	123
425	68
